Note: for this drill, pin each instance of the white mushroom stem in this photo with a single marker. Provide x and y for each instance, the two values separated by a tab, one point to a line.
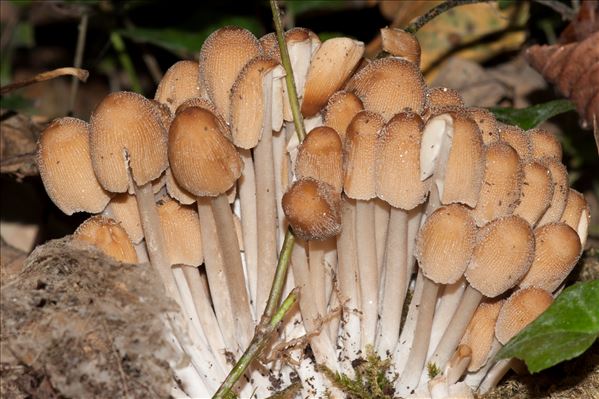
394	282
474	379
247	202
368	270
448	302
494	375
330	262
281	170
316	250
227	236
191	383
410	377
334	306
381	224
415	217
213	260
349	289
457	326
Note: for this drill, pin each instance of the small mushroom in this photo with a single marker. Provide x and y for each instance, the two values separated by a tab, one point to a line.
577	215
108	236
401	44
180	82
340	110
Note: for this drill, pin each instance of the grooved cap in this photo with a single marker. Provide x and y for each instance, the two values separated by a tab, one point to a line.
519	140
559	175
202	160
388	86
313	209
126	129
557	251
486	122
200	102
519	310
179	83
177	192
108	236
544	144
397	162
441	97
320	156
64	161
340	110
181	228
123	208
332	64
480	333
359	153
502	184
401	44
445	243
577	214
537	191
224	53
503	254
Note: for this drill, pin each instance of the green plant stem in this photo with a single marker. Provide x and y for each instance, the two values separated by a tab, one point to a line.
263	334
78	59
298	119
280	276
125	60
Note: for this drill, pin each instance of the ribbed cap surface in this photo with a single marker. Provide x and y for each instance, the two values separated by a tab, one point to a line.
577	214
108	236
179	83
481	332
559	175
401	44
123	208
537	191
486	123
181	228
320	156
340	110
519	310
519	140
544	144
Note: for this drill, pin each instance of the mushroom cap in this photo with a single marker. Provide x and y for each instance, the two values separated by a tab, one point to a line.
359	152
502	183
441	97
223	55
320	156
202	160
247	111
313	209
445	243
401	44
165	113
127	130
181	229
180	82
557	251
200	102
480	333
577	214
463	174
340	110
537	191
519	140
332	64
123	209
519	310
108	236
559	175
544	144
65	165
177	192
488	125
503	254
397	162
388	86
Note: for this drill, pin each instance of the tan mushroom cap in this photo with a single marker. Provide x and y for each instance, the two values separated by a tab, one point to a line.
123	209
537	191
332	64
577	214
181	229
503	254
165	113
270	45
223	55
177	192
519	310
180	82
480	333
445	243
313	209
126	129
463	174
401	44
108	236
502	184
247	102
388	86
64	161
488	125
559	175
557	251
359	153
544	144
202	160
518	139
200	102
439	97
397	162
320	156
340	110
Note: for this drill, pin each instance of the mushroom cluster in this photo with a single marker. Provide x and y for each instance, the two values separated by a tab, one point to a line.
397	188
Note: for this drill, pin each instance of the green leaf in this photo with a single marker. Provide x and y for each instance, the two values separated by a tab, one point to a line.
503	4
16	102
183	42
564	331
302	6
530	117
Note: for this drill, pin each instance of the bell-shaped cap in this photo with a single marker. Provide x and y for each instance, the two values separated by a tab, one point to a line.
179	83
340	110
559	175
320	156
518	139
181	229
519	310
400	43
486	122
108	236
544	144
537	191
480	333
577	214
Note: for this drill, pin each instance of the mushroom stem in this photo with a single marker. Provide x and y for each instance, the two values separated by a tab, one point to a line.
368	270
457	326
448	302
494	375
394	282
316	250
281	169
415	217
381	224
247	202
407	334
233	270
417	357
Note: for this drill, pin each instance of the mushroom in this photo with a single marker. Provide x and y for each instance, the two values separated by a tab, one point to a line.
486	122
401	44
537	191
180	82
340	110
577	215
480	334
559	175
440	98
517	139
108	236
544	144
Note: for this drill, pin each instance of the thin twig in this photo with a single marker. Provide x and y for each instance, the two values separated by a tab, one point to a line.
78	59
261	338
436	11
79	73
